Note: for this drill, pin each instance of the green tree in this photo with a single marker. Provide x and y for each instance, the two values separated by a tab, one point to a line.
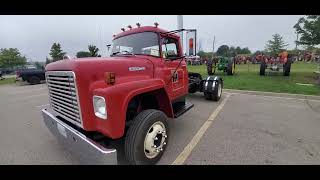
223	50
205	55
38	65
258	52
309	29
82	54
202	54
245	51
239	50
11	57
232	51
209	55
48	60
56	52
93	51
274	46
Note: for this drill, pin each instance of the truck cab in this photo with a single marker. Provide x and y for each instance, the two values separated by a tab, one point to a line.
131	94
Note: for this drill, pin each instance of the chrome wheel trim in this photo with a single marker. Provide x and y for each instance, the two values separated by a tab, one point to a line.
155	140
219	90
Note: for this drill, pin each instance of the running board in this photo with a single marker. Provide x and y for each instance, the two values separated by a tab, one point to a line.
182	109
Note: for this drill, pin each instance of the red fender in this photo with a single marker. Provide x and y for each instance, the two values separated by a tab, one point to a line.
117	99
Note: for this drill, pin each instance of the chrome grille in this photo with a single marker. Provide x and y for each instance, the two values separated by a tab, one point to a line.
63	95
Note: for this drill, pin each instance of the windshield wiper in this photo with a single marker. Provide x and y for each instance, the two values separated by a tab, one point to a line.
118	52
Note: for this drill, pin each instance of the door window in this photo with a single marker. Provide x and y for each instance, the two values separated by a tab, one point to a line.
169	48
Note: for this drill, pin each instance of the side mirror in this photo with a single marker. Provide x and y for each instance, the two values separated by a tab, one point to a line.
191	37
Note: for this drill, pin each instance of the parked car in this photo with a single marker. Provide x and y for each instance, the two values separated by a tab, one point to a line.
1	78
31	75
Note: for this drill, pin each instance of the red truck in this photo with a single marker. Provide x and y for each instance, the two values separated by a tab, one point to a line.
131	95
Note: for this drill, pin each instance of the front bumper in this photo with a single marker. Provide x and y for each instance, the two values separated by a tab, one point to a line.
87	150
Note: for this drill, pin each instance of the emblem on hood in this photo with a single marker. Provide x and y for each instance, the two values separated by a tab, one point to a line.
137	68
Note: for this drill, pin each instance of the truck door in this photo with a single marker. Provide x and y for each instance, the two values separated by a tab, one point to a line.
177	81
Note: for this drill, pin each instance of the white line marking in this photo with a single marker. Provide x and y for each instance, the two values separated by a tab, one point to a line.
196	138
277	97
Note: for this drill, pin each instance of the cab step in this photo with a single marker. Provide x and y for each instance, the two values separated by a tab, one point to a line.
181	109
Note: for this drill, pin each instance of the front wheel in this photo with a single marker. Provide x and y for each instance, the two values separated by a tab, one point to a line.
147	138
34	80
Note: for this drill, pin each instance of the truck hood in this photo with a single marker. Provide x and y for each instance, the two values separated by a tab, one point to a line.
93	69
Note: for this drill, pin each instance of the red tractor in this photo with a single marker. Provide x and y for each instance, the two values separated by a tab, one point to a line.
283	61
130	95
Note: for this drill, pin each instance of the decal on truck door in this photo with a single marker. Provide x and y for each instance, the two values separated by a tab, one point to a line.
175	76
177	79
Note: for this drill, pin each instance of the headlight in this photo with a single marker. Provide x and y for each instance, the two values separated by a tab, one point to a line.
99	106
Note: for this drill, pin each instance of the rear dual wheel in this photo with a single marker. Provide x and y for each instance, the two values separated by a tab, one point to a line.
216	92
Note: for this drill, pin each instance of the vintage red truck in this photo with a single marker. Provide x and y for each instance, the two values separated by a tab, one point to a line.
131	95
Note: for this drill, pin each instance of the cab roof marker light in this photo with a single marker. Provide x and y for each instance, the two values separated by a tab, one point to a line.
156	24
138	25
122	29
130	27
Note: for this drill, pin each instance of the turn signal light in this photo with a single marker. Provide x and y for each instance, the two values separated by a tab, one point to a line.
110	77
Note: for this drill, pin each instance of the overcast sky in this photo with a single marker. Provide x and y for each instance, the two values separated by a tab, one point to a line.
34	35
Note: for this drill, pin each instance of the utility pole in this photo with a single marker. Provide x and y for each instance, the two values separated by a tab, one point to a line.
214	39
297	41
180	26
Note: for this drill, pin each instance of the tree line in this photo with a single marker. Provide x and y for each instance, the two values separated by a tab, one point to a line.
11	57
57	53
307	27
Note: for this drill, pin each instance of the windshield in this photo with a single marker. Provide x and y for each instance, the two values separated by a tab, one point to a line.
145	43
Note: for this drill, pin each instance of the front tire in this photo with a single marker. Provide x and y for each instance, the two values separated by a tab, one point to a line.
146	138
34	80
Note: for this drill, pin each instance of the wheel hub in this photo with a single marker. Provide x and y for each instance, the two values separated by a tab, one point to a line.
155	140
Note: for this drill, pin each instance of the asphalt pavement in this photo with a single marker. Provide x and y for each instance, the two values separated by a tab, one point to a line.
248	129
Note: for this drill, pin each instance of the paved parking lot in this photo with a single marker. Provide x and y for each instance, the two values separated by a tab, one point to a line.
246	129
